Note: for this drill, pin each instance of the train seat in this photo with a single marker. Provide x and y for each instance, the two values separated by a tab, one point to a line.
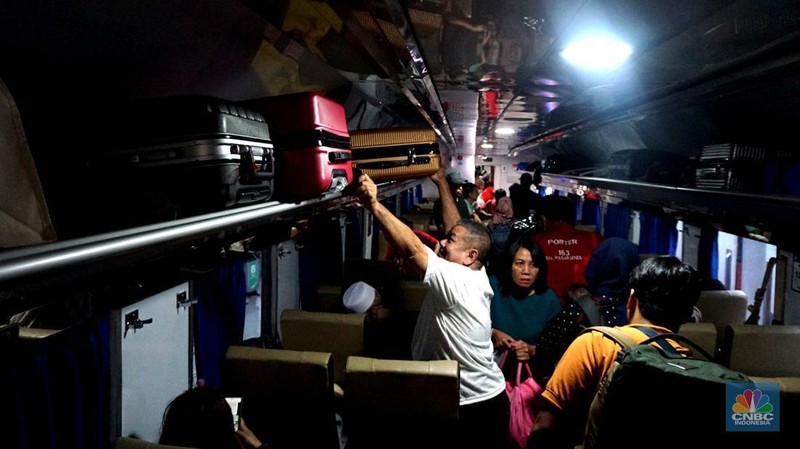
401	403
135	443
410	295
287	396
769	351
341	334
384	275
789	405
723	307
704	334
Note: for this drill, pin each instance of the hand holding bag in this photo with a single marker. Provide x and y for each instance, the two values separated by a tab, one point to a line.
521	395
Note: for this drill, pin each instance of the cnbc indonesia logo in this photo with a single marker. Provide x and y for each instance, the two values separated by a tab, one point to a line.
752	409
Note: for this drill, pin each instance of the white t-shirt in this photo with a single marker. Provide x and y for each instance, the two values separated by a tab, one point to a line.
454	324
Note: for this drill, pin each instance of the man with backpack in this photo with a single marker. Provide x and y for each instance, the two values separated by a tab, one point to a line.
663	293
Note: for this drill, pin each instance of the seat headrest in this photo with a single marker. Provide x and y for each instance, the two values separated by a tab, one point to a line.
404	387
134	443
279	372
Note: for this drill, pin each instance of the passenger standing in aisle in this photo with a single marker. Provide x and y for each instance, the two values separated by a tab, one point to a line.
567	249
522	197
663	292
607	275
454	322
500	226
466	204
522	303
607	278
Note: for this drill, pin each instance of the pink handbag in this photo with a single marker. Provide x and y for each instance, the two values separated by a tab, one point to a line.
521	395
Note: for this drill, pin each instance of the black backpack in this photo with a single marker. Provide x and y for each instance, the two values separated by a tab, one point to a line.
674	401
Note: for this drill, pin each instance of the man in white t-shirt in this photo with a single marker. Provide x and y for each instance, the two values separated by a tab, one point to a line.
454	322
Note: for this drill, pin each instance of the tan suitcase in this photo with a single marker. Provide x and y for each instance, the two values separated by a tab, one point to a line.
394	154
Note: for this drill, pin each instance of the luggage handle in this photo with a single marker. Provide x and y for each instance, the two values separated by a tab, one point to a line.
393	164
248	168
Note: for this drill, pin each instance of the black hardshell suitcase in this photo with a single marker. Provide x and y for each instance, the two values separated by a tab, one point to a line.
185	155
733	167
651	166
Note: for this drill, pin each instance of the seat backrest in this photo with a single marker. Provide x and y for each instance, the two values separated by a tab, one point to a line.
411	295
134	443
789	410
384	275
769	351
287	396
401	403
723	307
704	334
341	334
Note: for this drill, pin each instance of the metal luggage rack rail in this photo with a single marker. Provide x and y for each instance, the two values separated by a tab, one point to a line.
772	212
88	256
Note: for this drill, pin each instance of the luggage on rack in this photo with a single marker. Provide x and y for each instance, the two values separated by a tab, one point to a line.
651	166
734	167
394	154
184	155
312	144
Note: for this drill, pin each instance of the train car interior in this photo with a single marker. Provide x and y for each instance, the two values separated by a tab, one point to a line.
152	238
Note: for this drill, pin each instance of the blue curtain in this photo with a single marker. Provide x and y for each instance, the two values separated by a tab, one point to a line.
658	234
590	215
617	222
707	257
221	300
57	389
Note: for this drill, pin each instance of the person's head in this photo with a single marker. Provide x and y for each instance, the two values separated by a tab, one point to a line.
361	297
455	181
504	208
555	208
469	191
201	418
610	266
500	193
467	243
528	267
526	179
664	291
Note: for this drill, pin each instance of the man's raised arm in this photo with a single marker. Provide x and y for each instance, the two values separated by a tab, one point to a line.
397	233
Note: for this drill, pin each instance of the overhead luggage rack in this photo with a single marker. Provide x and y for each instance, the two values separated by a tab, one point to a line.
43	266
776	213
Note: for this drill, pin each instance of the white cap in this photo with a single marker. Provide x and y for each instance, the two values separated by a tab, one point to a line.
359	297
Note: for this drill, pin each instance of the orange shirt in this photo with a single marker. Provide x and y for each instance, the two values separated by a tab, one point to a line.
577	376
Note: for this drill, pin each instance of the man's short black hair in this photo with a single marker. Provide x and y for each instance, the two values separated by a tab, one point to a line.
480	236
667	290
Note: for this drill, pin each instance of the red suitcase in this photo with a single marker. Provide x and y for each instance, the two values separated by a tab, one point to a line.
312	144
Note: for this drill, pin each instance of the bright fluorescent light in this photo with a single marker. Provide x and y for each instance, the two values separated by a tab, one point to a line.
504	131
486	145
597	53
